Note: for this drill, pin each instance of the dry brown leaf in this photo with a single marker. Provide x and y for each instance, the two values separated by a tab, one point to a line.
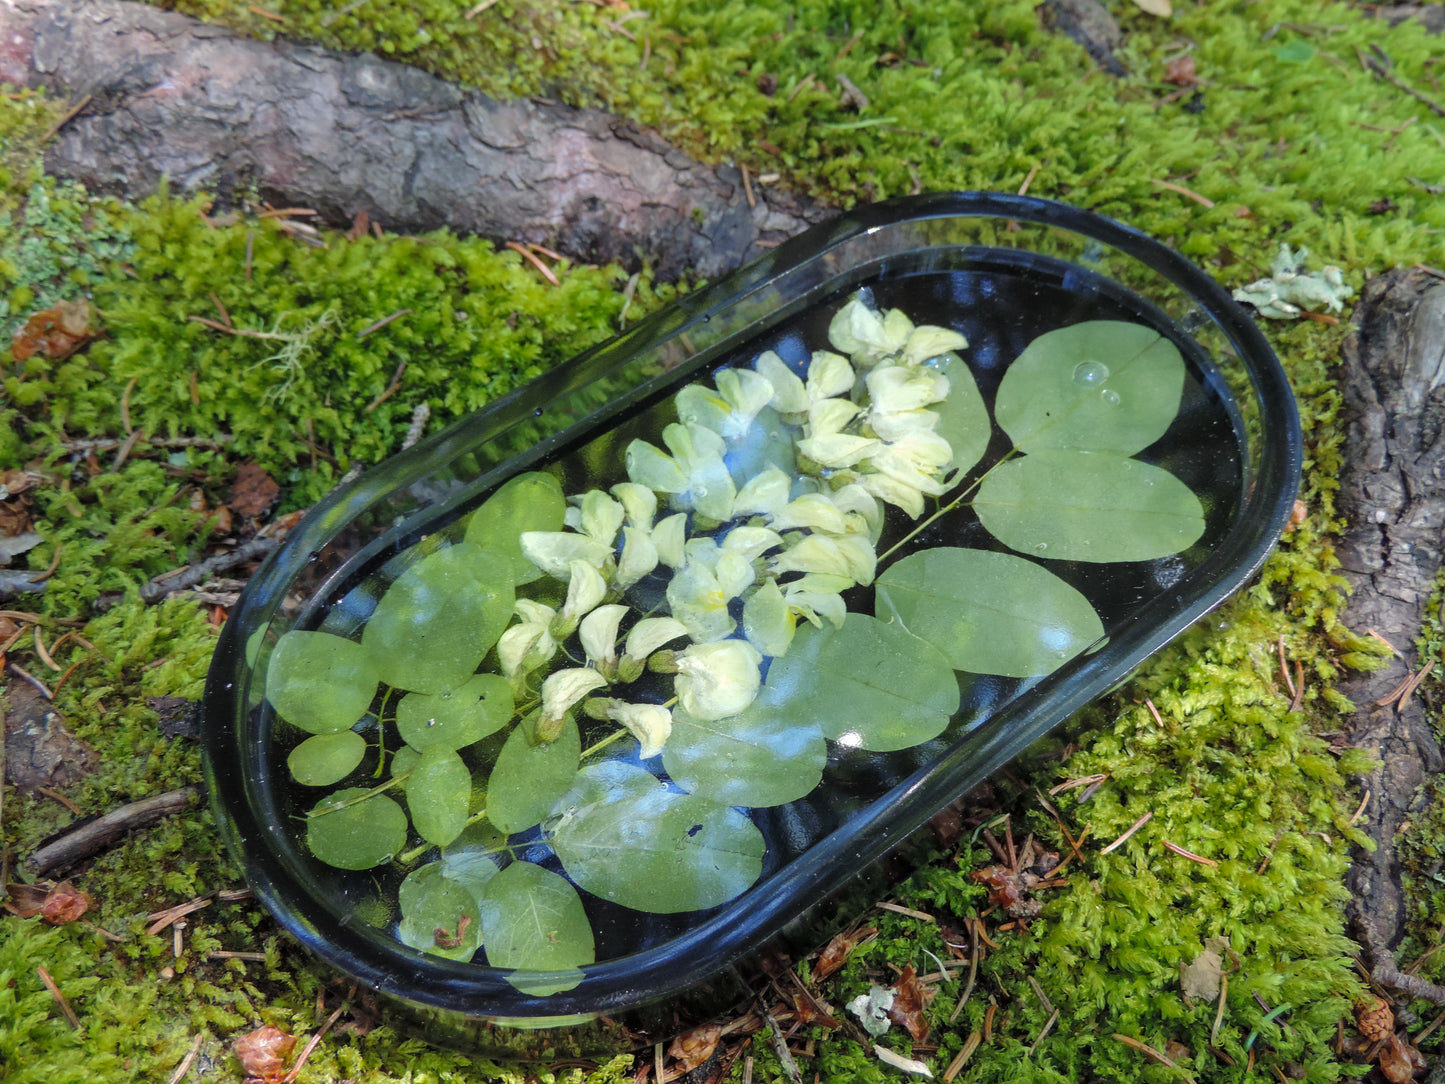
64	903
253	492
265	1053
1181	71
1399	1061
26	900
696	1046
910	998
838	950
55	333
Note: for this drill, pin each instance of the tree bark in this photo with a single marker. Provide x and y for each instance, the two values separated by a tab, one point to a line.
167	96
1393	497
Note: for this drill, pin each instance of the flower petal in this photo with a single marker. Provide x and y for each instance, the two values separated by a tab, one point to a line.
829	374
768	622
598	633
651	724
717	680
651	633
927	341
639	502
789	394
647	466
639	556
837	450
554	551
763	493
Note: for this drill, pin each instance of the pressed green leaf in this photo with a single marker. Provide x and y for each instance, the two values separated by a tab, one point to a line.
320	682
349	831
471	859
404	760
324	759
529	778
1089	506
438	792
868	685
533	920
988	613
762	757
528	502
1098	386
627	838
437	622
962	417
454	720
436	911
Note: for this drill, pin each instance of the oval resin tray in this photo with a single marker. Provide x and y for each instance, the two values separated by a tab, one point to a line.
567	709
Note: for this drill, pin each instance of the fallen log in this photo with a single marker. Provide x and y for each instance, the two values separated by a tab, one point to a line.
1392	495
166	96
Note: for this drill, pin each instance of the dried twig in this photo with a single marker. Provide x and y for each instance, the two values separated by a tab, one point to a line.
390	389
910	912
1203	201
379	324
1149	1051
311	1045
1182	853
1128	832
532	258
74	112
94	836
185	1066
59	997
191	575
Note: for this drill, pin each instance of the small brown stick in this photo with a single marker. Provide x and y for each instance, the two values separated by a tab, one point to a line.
178	938
972	975
225	316
35	682
1182	853
1389	975
364	332
94	836
250	251
171	915
285	212
1393	649
1149	1051
899	910
55	796
59	997
1028	180
74	112
1128	832
1428	1031
44	655
225	954
803	85
1320	318
1039	993
311	1045
254	10
1360	812
54	564
1158	719
1219	1013
125	403
1299	680
1284	667
961	1058
66	676
1082	781
390	389
532	258
1264	864
14	639
126	448
185	1066
748	187
1048	1027
1203	201
158	588
474	12
646	52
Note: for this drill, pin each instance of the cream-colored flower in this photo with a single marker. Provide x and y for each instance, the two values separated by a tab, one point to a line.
926	342
702	589
719	679
585	590
838	450
829	374
852	556
750	543
670	537
768	620
639	502
598	633
763	494
639	556
561	690
651	724
790	396
529	644
862	333
555	551
651	633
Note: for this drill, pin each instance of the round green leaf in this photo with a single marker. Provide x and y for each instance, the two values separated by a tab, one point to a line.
529	778
533	920
454	720
438	793
1083	506
528	502
962	416
627	838
1098	386
471	859
353	829
404	760
320	682
762	757
324	759
989	613
437	622
436	912
867	685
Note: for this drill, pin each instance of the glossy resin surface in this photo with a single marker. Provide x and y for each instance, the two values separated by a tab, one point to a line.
594	829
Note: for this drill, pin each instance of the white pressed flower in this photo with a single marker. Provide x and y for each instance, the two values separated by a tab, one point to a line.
639	502
763	493
522	648
651	724
700	602
901	424
585	590
837	450
719	679
894	388
768	621
815	606
639	556
897	329
927	341
601	517
916	461
700	453
852	556
829	374
598	633
751	542
647	636
790	396
647	466
829	416
815	511
746	393
698	404
861	514
669	536
894	492
859	331
561	690
555	551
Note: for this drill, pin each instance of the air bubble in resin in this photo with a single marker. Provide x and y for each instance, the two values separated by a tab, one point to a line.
1090	374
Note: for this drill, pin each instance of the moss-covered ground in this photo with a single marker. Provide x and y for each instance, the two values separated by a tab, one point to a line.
1285	137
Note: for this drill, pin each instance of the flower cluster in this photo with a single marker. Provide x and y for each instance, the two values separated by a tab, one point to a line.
765	505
